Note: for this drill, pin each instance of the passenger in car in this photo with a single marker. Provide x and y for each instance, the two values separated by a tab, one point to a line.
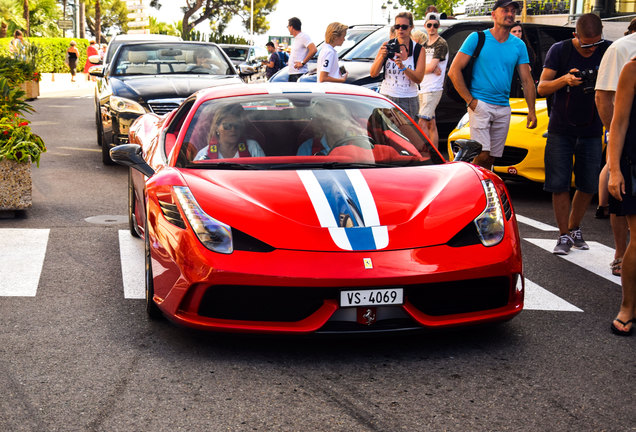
332	124
226	139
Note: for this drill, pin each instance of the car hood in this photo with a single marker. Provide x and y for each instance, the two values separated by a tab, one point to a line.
147	87
335	210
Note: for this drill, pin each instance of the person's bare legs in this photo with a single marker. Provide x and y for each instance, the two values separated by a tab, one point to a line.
628	280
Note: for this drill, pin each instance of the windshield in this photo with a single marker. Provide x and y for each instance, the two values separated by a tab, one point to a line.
236	53
304	130
369	47
170	58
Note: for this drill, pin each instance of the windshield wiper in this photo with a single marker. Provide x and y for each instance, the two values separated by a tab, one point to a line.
329	165
227	165
360	58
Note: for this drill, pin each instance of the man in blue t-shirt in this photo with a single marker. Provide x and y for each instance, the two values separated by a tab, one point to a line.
575	128
488	98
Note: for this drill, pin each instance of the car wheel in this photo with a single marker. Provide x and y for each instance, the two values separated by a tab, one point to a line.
106	153
151	307
132	222
98	124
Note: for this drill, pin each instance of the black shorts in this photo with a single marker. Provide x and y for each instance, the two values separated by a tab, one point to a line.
628	205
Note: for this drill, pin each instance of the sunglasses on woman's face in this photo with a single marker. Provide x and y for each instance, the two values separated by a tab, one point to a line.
229	126
401	26
429	25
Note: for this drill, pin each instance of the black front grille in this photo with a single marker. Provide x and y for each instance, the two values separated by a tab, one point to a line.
292	304
447	298
511	156
262	303
163	107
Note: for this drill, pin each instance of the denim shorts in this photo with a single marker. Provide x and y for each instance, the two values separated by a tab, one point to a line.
409	104
559	164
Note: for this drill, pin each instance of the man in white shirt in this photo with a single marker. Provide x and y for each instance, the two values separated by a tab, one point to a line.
302	50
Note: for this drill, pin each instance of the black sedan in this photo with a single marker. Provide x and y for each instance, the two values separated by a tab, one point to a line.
154	77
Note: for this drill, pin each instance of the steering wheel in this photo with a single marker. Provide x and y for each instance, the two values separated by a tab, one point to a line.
209	70
362	141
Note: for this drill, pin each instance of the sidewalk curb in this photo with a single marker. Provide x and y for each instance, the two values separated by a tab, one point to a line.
59	82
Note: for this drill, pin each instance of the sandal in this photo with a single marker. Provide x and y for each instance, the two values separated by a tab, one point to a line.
602	212
617	266
619	332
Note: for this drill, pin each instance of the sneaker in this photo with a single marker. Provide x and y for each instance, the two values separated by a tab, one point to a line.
563	245
577	239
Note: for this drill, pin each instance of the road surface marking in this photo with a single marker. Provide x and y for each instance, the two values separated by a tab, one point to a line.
595	260
131	252
535	224
22	254
538	298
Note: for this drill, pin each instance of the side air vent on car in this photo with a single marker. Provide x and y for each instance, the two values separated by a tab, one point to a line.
171	213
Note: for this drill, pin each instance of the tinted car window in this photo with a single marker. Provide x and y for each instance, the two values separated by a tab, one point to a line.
370	47
293	130
153	59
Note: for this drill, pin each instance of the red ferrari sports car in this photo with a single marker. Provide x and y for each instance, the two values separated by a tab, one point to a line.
301	208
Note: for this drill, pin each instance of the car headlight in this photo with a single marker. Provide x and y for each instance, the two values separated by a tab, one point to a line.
121	105
214	235
490	223
462	122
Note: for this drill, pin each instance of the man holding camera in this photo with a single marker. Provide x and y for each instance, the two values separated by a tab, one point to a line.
575	129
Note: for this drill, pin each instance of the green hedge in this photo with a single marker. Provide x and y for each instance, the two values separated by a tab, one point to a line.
52	52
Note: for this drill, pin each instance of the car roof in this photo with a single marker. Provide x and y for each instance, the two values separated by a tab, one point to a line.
142	37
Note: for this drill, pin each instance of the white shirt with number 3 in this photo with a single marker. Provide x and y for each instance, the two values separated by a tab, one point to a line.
328	61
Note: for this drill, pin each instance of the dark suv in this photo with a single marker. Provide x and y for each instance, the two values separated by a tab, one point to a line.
358	60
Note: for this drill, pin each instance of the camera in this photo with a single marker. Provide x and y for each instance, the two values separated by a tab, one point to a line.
392	48
588	79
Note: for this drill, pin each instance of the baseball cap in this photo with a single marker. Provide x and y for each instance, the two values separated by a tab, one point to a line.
431	16
504	3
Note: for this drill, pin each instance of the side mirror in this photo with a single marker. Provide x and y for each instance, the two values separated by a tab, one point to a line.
130	155
97	71
468	150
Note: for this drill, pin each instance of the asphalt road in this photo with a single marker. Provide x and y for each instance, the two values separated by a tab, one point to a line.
79	355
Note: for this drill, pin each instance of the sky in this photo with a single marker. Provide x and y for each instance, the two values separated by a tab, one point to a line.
315	15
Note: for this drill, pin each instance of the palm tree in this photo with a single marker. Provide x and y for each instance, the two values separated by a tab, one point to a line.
10	15
25	15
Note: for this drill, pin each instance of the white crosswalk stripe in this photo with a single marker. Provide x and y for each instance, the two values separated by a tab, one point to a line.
595	260
22	254
131	253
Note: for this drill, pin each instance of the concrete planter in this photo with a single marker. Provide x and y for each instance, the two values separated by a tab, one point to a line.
15	185
31	89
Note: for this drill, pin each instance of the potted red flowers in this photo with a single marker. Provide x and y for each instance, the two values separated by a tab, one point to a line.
19	147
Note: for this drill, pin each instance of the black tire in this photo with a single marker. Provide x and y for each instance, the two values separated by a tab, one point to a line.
106	153
152	309
132	223
98	126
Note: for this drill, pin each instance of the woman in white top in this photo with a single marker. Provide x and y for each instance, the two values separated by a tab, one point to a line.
403	68
328	68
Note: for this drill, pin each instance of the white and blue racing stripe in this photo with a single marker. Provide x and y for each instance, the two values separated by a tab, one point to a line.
336	193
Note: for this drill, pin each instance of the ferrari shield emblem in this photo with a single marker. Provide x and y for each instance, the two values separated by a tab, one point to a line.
368	264
242	147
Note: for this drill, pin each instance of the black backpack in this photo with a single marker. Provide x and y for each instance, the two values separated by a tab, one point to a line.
467	72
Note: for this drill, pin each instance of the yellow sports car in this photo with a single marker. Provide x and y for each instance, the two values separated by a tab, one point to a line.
523	154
